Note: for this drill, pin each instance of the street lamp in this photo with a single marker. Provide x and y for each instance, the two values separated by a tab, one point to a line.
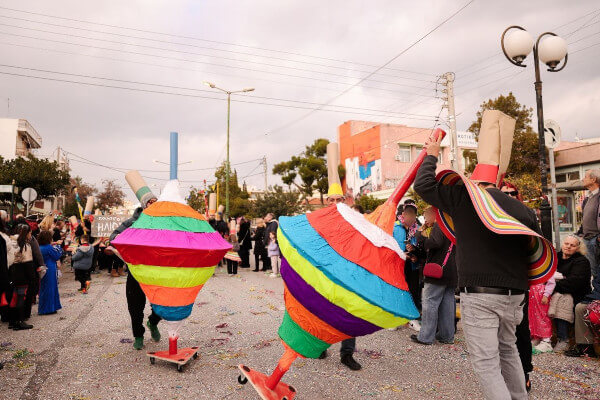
229	93
165	163
551	51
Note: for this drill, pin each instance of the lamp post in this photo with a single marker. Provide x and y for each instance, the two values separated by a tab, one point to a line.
551	51
229	93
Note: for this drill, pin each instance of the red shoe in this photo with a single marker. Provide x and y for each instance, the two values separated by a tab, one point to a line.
87	285
84	291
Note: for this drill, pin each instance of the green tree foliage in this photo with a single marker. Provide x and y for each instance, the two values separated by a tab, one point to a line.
421	204
111	196
43	175
238	197
524	160
369	203
310	166
84	190
278	202
195	199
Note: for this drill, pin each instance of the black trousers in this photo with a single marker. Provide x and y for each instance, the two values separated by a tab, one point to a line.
82	275
413	280
115	263
524	338
232	267
348	346
136	302
245	256
257	261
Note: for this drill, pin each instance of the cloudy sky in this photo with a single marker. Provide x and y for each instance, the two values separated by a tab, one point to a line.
119	76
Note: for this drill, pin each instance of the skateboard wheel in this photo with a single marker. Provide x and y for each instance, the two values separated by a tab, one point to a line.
152	360
179	368
242	380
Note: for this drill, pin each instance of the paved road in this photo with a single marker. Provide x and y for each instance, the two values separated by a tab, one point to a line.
83	353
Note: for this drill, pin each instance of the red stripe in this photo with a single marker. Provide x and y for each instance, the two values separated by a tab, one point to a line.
170	257
354	247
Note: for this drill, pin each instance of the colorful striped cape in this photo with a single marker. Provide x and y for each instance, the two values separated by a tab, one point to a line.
171	250
343	276
542	255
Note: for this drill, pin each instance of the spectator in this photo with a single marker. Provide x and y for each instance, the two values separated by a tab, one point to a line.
58	231
245	239
572	285
590	225
49	298
232	257
271	226
7	257
273	253
439	306
23	277
82	263
584	337
260	250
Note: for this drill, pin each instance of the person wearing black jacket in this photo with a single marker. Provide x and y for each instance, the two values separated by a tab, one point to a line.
260	251
245	241
272	226
439	307
492	276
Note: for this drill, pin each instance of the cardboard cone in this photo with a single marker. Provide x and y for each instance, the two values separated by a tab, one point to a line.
89	205
212	204
333	161
139	187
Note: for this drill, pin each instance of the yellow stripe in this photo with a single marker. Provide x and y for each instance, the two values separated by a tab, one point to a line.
171	276
336	294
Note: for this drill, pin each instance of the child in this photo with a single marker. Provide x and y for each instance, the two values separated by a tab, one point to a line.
540	323
82	263
273	252
232	256
23	277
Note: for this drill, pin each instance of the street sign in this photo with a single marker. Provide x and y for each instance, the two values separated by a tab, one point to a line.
29	195
552	133
8	189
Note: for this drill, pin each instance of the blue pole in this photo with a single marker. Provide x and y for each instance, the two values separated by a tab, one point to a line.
174	155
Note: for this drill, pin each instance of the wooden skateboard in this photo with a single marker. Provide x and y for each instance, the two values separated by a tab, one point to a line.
180	358
282	391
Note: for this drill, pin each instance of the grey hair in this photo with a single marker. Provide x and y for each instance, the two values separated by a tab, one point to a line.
594	174
582	247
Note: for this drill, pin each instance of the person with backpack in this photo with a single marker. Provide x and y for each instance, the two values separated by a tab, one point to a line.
82	263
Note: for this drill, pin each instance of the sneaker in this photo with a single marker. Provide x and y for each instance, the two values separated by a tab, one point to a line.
415	325
561	346
415	339
544	347
350	362
272	276
323	355
84	291
80	290
87	285
535	342
20	326
138	343
581	350
154	332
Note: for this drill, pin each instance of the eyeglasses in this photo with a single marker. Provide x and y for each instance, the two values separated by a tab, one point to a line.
513	193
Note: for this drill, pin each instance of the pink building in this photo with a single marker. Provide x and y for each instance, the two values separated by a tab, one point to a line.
377	156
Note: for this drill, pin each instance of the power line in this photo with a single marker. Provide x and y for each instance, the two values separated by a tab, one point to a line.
205	40
195	46
287	125
201	62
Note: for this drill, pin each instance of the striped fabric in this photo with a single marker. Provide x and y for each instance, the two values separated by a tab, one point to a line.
171	250
339	282
542	255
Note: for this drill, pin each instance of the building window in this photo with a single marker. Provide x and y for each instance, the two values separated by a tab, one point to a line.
403	153
560	178
573	176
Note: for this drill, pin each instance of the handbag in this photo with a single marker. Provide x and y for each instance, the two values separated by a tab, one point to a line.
435	270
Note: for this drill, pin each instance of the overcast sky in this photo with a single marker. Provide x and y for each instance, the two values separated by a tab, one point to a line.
306	51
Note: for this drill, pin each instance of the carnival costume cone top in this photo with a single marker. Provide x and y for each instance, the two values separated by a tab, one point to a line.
493	155
343	277
139	187
333	160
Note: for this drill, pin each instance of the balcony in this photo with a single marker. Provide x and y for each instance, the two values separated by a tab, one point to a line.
30	135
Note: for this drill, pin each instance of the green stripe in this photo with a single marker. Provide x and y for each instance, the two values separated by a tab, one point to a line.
183	224
142	191
171	276
300	340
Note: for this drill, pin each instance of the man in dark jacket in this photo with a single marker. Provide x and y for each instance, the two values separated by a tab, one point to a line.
590	224
272	226
492	268
245	241
136	299
584	337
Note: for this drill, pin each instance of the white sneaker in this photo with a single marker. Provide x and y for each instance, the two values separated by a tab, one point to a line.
415	325
272	276
561	346
535	342
544	347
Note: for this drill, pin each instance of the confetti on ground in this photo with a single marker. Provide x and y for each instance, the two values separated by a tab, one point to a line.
5	344
109	355
223	325
219	341
21	353
262	344
126	340
374	354
258	312
202	303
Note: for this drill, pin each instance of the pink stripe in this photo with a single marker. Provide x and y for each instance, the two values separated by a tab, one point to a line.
172	239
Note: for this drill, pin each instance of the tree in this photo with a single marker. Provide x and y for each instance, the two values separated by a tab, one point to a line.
278	202
84	190
45	176
310	166
524	159
196	200
421	204
111	196
238	197
368	202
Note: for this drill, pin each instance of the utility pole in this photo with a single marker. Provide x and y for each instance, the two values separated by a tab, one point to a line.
449	104
265	172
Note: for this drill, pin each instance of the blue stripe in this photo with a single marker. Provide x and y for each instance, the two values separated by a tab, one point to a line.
172	313
307	241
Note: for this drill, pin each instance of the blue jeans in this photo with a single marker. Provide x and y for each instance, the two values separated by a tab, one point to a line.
439	311
562	329
592	248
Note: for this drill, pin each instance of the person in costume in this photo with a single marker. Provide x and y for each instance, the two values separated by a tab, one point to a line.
136	299
492	260
335	195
